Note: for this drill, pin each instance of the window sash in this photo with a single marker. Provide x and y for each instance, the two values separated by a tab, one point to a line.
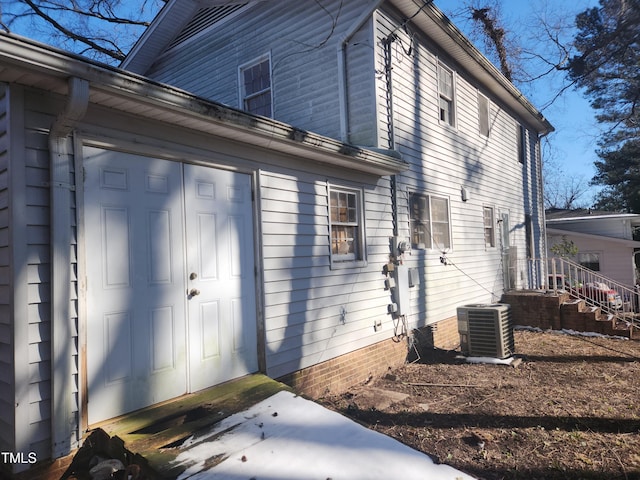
521	138
489	229
256	88
446	95
345	225
429	222
483	115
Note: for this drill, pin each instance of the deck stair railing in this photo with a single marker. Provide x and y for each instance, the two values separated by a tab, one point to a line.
592	287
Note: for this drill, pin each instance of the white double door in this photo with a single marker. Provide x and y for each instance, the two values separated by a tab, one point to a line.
170	293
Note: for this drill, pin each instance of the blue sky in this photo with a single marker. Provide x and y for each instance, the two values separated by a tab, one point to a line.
572	146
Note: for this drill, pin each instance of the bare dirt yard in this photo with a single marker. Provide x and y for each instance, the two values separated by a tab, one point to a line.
569	410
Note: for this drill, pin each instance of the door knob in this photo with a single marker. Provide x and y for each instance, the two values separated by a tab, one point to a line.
193	292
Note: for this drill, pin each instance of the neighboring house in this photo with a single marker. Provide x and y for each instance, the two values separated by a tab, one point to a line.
155	242
605	240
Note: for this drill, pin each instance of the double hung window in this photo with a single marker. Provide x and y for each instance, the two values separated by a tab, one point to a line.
489	227
446	95
430	224
346	225
483	115
255	87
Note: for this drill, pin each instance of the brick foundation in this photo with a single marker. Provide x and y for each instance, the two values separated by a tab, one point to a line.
340	373
444	334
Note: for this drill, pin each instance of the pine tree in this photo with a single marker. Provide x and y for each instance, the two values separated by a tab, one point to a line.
608	68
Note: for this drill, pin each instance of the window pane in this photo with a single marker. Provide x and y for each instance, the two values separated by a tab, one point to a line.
446	82
440	210
257	88
489	234
590	261
259	105
343	240
345	229
483	114
441	238
520	138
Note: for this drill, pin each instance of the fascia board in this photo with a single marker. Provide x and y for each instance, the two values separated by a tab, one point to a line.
40	65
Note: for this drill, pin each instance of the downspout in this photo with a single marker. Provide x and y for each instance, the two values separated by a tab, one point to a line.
62	331
343	86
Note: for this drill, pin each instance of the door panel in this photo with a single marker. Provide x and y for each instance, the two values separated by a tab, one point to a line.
135	282
170	286
220	262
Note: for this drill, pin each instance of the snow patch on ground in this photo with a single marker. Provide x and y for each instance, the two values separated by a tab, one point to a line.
289	437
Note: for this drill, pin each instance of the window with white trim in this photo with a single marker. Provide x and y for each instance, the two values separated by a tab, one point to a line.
489	227
255	87
346	225
483	115
429	222
446	95
521	141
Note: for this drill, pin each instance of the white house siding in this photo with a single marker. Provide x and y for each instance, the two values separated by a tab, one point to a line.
29	275
7	385
360	87
312	312
446	159
304	59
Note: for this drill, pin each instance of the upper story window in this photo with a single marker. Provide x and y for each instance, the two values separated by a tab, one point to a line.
255	87
346	225
483	115
430	224
446	95
489	227
521	142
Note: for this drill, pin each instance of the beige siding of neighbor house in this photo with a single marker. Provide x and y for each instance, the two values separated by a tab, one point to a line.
616	260
445	159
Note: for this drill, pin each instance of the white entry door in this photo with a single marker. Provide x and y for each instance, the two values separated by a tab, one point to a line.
170	294
220	265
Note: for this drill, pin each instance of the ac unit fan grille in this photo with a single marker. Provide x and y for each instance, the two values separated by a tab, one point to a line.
489	332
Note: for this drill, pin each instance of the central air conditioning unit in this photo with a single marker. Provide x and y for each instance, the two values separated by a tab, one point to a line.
486	330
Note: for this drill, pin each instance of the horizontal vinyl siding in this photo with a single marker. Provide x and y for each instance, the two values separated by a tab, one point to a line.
616	261
445	159
303	294
7	387
303	45
37	224
360	78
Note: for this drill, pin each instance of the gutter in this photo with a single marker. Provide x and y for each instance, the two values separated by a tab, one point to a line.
62	331
24	58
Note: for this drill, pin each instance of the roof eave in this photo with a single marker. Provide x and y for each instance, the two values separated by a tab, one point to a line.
30	63
437	26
